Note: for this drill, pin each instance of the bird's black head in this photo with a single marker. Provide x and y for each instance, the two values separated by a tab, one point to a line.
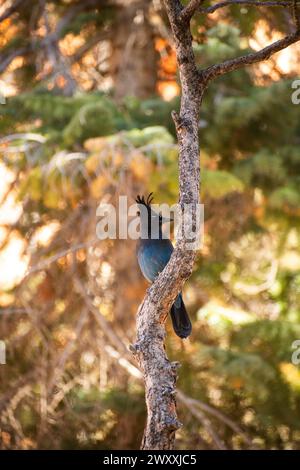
145	202
149	217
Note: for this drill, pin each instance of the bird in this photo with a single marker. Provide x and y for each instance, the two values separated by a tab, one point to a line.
153	253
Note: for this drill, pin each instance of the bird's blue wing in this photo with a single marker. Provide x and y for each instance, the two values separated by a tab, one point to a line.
153	257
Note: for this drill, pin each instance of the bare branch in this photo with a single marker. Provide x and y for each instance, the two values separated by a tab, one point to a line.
117	350
11	10
189	10
6	59
202	417
13	311
100	319
192	402
49	40
52	259
233	64
87	46
296	14
70	14
256	3
63	357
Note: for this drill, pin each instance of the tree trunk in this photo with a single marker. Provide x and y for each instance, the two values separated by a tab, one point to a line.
159	374
134	59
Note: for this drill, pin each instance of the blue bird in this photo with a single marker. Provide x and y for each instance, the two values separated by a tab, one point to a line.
153	254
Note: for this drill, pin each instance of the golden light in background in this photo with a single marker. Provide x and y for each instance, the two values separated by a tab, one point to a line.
7	89
13	263
167	85
168	90
285	60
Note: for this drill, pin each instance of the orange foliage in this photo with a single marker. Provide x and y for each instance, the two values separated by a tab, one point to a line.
167	85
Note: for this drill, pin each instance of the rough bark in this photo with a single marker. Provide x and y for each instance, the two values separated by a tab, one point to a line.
133	64
159	373
256	3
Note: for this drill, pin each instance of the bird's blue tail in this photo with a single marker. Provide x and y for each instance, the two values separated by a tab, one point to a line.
180	319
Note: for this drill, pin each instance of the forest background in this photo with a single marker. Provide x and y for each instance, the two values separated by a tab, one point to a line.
87	90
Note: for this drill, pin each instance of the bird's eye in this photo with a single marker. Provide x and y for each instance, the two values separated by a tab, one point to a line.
138	213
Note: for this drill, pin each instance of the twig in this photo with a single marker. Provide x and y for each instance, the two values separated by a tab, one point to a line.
208	426
67	350
233	64
61	254
10	187
191	402
12	9
100	319
6	59
82	50
191	8
12	311
25	136
255	3
296	14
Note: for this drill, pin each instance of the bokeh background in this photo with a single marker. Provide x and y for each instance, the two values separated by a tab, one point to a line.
88	88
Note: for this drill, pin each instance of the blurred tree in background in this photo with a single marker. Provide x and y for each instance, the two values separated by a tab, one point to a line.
89	89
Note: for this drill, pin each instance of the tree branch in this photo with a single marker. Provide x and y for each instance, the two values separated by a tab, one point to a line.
158	372
6	59
191	8
256	3
12	9
296	14
87	46
254	57
192	405
49	41
192	402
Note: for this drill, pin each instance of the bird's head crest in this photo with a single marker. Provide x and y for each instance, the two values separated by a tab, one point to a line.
143	201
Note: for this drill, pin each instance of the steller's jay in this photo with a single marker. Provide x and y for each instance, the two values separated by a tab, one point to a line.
153	254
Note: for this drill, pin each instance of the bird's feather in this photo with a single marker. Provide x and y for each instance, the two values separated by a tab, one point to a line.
153	255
